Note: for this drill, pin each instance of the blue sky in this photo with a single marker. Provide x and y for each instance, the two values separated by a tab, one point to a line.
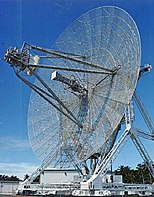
40	22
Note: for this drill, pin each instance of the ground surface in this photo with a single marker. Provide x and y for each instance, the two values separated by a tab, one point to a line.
3	195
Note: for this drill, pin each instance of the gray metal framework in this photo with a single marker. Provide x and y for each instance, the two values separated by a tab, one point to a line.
81	109
83	92
129	133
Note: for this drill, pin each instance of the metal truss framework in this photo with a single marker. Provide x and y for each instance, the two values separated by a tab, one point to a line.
129	133
21	61
132	133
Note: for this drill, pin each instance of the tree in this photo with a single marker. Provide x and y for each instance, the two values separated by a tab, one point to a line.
14	178
7	178
144	173
125	171
140	175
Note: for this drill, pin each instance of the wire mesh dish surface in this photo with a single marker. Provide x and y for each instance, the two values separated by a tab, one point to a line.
105	36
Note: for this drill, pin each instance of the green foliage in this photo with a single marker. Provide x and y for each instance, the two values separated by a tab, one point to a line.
139	175
9	178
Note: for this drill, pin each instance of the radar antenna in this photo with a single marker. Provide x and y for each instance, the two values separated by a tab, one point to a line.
83	91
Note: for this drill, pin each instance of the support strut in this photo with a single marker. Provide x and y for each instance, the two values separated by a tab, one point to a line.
144	112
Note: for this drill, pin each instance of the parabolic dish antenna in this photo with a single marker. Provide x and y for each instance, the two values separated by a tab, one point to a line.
107	42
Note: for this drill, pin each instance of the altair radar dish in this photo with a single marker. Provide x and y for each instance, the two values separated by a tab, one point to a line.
83	91
101	66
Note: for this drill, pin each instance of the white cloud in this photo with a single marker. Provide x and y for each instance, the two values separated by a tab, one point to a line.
13	144
17	169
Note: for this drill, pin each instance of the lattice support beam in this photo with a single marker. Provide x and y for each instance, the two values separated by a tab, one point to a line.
144	112
143	152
